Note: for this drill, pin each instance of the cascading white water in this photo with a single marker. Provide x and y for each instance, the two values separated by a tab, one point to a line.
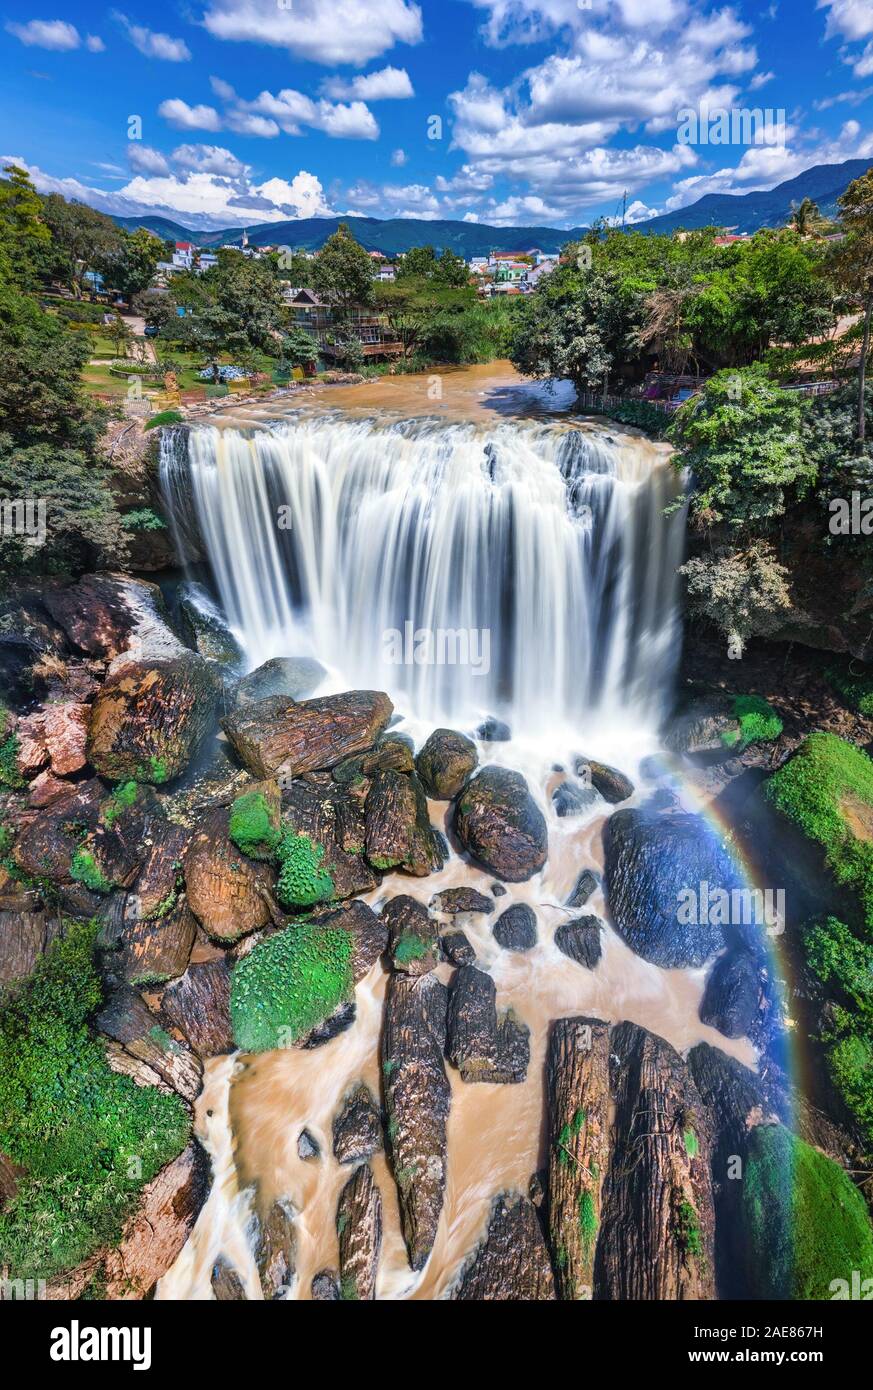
521	569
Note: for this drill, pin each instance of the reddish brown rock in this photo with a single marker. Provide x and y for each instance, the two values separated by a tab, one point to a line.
150	1055
198	1005
398	830
24	937
45	789
229	894
446	762
359	1229
277	735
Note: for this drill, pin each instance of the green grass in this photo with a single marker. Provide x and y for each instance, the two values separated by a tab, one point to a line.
855	684
87	1138
758	723
163	417
302	880
9	774
827	781
806	1222
85	869
254	826
288	984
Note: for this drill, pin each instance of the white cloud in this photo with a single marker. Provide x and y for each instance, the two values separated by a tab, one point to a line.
186	117
389	84
95	44
144	160
329	32
222	89
848	19
208	159
292	110
152	44
247	123
760	80
55	34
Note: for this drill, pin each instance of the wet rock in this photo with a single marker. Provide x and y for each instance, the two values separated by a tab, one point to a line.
498	890
499	824
342	1018
481	1047
493	730
294	677
101	613
228	893
307	1147
227	1286
153	1238
26	634
578	1109
651	862
413	936
55	734
369	934
334	822
325	1287
45	847
698	726
276	735
151	1055
446	762
397	827
456	948
392	753
417	1097
46	789
580	940
612	785
151	716
24	937
512	1263
571	800
656	1239
198	1005
516	928
357	1128
359	1229
205	628
274	1245
586	884
453	900
731	1000
158	930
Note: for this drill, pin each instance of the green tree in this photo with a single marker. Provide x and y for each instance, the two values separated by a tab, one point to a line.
299	349
342	272
23	233
129	264
806	218
422	263
853	265
85	237
582	325
418	310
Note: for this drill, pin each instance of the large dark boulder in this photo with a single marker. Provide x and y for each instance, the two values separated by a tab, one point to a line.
274	1246
446	762
612	785
732	997
357	1128
359	1230
198	1004
413	936
651	860
454	900
398	833
294	677
580	940
500	825
229	894
276	735
516	928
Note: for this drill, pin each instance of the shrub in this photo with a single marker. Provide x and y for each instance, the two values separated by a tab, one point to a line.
87	1138
855	686
9	774
813	789
254	826
143	519
163	417
806	1222
758	723
302	880
288	984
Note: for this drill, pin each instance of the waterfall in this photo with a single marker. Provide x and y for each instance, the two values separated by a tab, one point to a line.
522	569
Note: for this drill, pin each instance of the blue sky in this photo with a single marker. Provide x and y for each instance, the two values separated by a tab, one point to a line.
545	111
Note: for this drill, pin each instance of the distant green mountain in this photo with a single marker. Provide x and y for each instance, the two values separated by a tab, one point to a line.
745	212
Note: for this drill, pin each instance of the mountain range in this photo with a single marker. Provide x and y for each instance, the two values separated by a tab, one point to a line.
741	212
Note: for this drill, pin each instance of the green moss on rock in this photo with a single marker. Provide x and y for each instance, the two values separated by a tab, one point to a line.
302	880
826	790
289	984
806	1223
254	825
757	722
122	799
85	869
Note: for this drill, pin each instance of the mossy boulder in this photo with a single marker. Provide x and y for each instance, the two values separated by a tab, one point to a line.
807	1225
289	985
255	820
303	878
228	893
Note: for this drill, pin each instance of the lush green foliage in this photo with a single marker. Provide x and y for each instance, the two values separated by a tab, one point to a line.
85	869
806	1222
163	417
823	789
289	984
855	685
87	1138
844	964
302	880
254	826
757	722
342	272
